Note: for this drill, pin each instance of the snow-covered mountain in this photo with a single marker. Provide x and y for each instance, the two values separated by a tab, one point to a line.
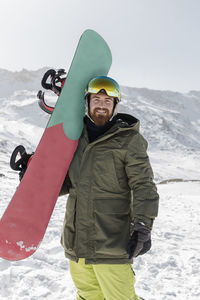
170	121
19	80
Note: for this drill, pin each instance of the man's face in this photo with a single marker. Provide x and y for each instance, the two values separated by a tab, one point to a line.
101	108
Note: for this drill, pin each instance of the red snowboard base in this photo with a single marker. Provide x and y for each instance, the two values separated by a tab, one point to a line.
24	222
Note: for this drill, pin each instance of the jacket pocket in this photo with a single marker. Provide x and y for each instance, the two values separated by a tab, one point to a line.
112	226
104	170
68	235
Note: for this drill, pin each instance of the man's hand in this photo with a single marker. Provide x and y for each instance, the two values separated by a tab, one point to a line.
140	241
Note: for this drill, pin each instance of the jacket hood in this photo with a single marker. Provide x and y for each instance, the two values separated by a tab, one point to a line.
127	121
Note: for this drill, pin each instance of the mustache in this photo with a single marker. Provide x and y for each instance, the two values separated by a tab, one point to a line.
103	109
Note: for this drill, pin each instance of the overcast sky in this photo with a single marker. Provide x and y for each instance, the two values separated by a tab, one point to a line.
154	43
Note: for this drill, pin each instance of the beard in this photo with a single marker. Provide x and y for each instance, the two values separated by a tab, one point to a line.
100	119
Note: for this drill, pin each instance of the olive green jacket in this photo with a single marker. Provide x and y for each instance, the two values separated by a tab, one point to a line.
111	188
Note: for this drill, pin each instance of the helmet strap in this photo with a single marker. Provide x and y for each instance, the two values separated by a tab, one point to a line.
87	107
115	109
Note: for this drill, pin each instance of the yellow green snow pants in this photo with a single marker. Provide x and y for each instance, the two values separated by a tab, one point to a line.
103	281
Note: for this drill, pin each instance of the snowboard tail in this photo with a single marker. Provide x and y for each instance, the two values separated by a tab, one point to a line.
45	176
24	222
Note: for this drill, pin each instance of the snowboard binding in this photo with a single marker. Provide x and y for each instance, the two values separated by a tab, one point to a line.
20	160
42	104
52	80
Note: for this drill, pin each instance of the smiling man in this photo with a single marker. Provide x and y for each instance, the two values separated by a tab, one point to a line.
112	199
101	108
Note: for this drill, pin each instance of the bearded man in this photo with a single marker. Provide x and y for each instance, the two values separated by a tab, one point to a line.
112	201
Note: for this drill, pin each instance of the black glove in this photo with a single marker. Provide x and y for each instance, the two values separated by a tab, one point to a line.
140	241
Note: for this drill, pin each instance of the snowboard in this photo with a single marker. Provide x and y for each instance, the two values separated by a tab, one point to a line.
26	218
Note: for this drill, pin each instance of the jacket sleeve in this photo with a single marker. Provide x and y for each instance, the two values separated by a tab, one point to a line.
66	186
140	180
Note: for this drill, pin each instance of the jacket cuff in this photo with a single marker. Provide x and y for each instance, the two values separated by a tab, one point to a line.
144	220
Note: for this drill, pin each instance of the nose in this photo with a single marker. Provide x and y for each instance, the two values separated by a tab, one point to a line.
101	104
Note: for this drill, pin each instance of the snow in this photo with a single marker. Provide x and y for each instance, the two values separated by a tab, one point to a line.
171	123
171	269
27	249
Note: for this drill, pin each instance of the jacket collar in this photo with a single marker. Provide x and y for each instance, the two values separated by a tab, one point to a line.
122	122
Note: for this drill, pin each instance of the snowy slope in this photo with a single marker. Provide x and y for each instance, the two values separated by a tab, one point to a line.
171	123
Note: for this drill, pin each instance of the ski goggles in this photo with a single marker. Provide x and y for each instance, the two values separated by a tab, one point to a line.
104	84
